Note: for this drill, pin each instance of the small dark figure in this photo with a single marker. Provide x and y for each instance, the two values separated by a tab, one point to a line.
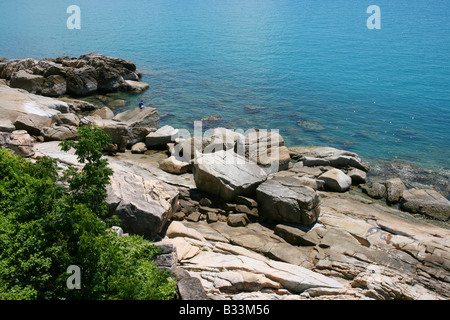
141	104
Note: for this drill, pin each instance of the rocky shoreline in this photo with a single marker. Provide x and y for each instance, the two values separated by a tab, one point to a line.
238	215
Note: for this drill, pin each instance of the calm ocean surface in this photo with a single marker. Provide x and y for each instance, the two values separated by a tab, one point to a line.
311	69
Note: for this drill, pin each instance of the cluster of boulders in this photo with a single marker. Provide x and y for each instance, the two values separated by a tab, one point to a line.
86	75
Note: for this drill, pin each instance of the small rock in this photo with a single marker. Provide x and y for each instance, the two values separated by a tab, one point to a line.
172	165
178	216
138	148
247	201
294	236
238	220
211	217
194	216
205	202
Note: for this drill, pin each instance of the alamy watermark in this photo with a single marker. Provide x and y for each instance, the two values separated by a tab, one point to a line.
74	20
374	21
74	280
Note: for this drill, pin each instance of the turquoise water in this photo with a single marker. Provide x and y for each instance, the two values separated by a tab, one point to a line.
312	69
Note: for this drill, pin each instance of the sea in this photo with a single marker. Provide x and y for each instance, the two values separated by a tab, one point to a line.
317	71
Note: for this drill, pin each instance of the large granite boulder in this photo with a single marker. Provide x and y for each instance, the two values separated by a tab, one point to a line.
59	133
336	180
161	137
287	200
146	117
266	148
394	190
82	81
428	202
327	156
227	174
32	123
27	81
117	131
187	149
143	203
54	86
16	102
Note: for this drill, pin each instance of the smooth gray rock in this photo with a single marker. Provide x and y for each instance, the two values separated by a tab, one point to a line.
161	137
143	203
32	123
286	199
146	117
336	180
59	133
227	175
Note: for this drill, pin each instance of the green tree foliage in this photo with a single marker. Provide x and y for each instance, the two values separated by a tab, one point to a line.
45	227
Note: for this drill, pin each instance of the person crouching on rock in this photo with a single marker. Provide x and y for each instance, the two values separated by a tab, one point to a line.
141	104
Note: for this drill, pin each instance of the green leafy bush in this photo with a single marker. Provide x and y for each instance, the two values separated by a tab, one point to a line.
45	227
